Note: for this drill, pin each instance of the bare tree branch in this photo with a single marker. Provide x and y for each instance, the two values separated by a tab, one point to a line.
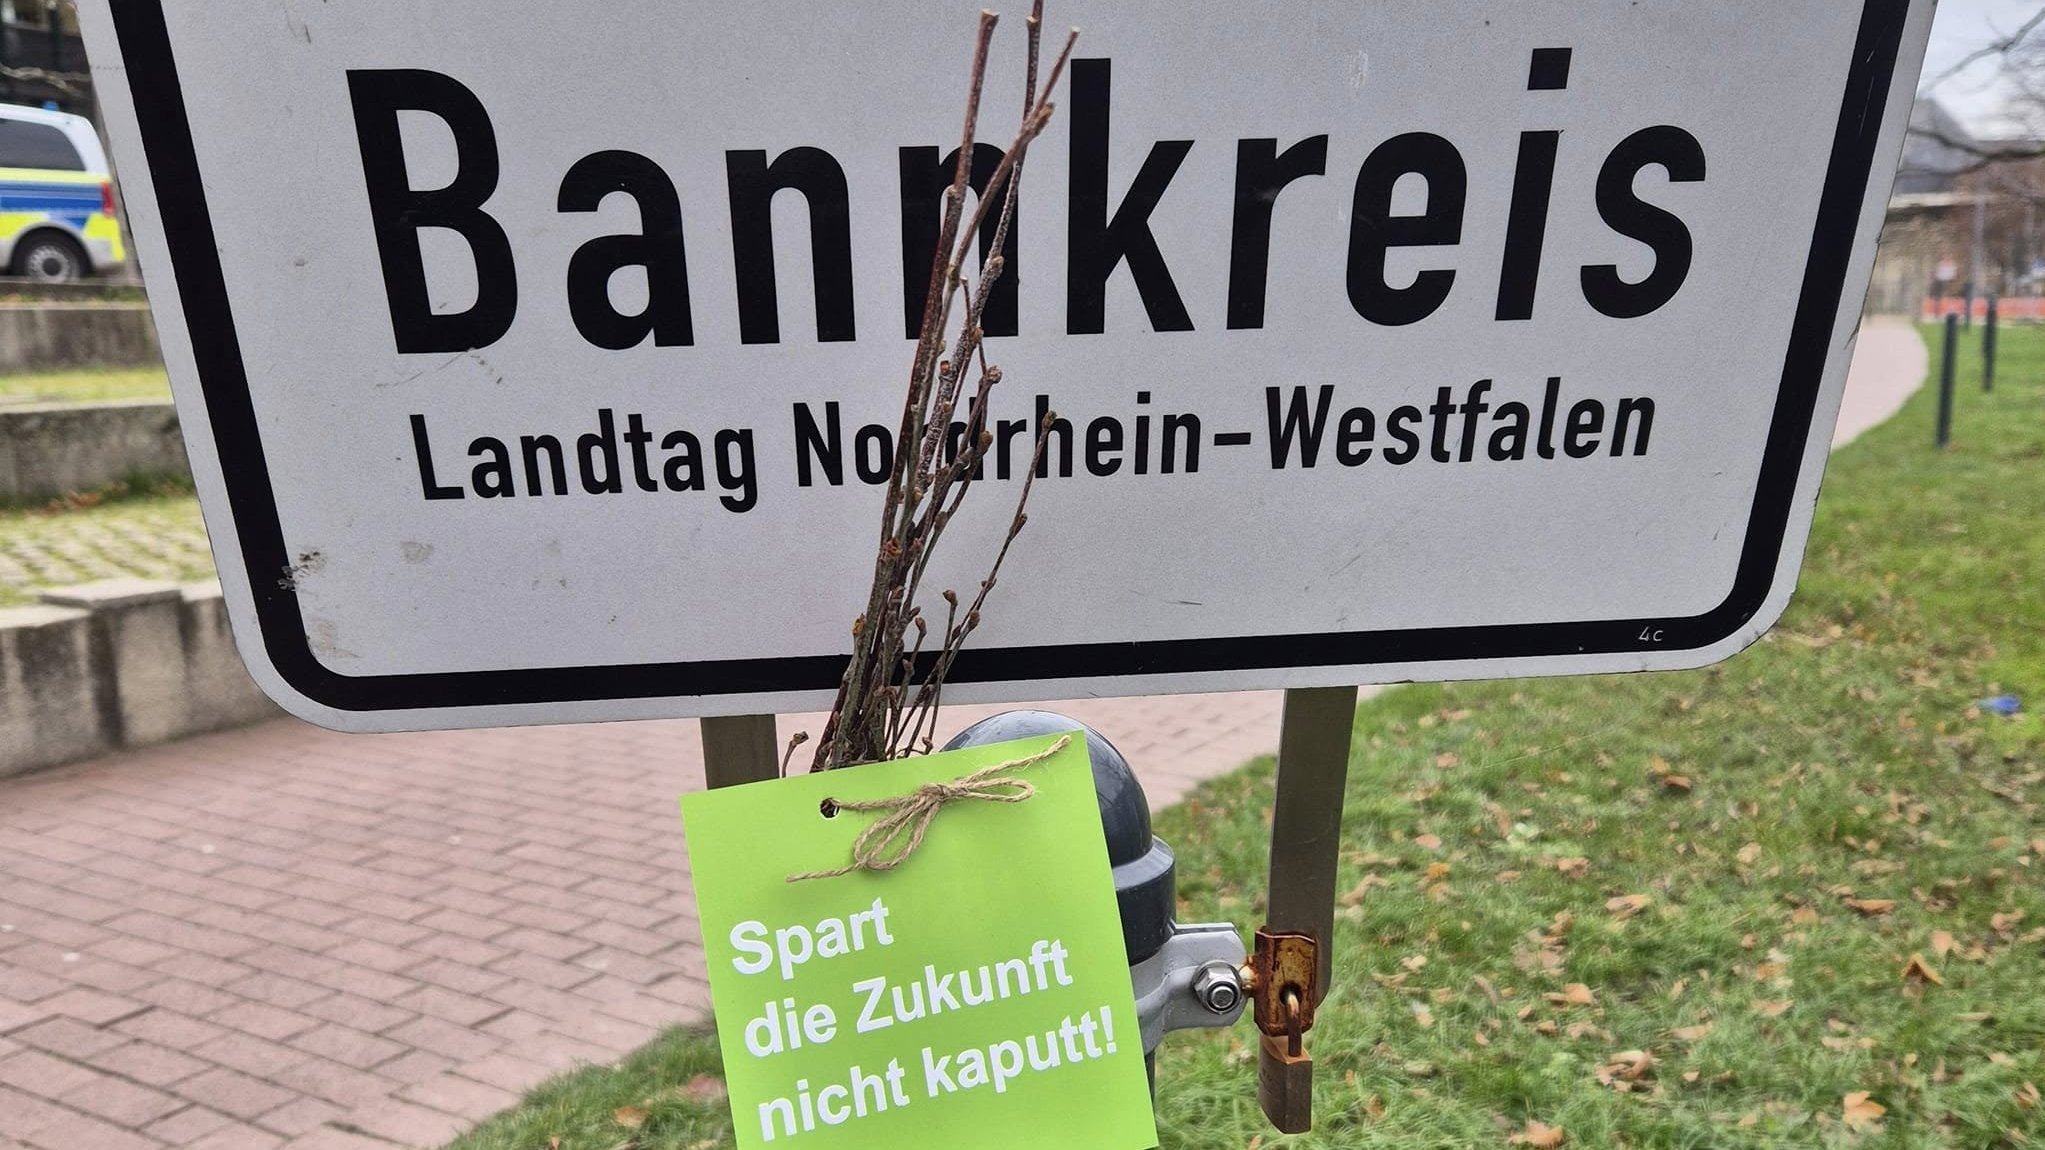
1983	155
2001	47
887	700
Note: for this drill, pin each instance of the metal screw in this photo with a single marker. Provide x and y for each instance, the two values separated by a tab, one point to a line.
1216	988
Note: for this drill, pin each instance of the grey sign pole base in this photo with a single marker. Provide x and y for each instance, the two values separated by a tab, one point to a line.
739	749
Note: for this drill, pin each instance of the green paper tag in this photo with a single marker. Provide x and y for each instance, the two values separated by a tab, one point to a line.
977	996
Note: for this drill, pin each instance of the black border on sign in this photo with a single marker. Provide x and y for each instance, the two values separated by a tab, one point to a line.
151	72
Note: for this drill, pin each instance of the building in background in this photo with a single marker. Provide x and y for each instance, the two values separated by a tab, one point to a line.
42	57
1963	223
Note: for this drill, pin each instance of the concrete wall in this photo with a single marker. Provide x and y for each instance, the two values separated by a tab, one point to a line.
49	449
118	664
53	336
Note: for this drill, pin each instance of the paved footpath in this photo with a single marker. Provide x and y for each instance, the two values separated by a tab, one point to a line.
1890	363
285	937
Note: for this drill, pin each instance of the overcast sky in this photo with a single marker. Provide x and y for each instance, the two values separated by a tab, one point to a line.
1963	26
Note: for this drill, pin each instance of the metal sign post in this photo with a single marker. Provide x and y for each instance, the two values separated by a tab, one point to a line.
739	749
1306	836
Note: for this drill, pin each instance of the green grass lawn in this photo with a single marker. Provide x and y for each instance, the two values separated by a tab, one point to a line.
1795	900
89	384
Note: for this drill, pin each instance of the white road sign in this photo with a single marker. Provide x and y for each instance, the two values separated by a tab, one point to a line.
540	362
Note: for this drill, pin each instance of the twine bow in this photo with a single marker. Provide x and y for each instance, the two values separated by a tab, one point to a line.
888	841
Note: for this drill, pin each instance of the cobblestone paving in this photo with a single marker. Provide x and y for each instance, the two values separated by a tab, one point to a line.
153	538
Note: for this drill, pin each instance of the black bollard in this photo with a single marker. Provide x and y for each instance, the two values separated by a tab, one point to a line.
1988	348
1945	382
1146	880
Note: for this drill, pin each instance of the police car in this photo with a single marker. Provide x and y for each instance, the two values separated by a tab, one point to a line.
57	219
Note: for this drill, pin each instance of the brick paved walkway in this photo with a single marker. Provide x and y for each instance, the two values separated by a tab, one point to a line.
285	937
282	936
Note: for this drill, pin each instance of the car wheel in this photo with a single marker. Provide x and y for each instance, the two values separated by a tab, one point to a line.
48	257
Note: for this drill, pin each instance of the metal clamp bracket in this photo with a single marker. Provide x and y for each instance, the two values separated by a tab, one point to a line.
1190	982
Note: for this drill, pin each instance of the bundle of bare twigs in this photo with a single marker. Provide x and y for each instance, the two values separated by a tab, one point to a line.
887	702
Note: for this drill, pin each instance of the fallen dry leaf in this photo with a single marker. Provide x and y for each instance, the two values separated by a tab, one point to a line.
1427	842
1750	854
1626	1066
1573	867
1539	1135
1803	916
1942	942
1678	783
1861	1113
1696	1033
1577	994
2027	1096
1919	971
1872	907
1628	905
630	1117
1421	1014
1362	889
702	1088
1773	1008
